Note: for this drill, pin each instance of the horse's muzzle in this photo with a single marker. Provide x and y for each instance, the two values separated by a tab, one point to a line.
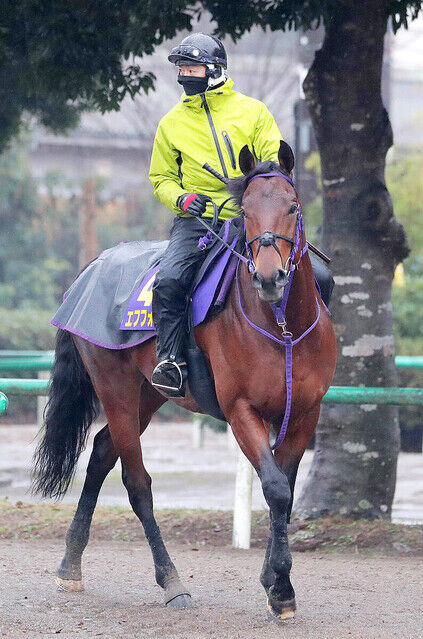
270	289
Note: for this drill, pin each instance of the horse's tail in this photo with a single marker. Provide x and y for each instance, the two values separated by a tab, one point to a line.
72	406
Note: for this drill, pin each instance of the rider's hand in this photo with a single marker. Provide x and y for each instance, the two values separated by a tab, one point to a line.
193	203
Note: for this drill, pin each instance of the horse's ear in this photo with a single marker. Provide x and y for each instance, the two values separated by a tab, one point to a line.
286	156
246	160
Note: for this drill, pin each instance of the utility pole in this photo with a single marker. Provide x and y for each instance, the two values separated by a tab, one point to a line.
305	143
88	224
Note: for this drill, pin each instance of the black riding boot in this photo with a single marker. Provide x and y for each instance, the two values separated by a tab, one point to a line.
171	291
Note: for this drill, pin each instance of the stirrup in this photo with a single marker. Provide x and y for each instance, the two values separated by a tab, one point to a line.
176	390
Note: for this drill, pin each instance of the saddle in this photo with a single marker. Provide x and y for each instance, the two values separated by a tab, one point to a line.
209	291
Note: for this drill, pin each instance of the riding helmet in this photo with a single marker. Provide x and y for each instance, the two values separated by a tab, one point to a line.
199	48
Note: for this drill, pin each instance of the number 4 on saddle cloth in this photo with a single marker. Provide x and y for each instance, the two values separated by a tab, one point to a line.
110	302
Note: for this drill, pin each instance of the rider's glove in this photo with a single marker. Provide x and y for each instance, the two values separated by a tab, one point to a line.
193	203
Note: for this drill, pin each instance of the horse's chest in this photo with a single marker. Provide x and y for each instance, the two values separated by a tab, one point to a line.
268	388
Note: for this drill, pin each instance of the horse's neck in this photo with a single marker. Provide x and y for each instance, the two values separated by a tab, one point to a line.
301	306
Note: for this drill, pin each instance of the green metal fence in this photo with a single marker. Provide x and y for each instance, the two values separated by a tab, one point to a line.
405	361
355	395
3	403
26	360
43	361
336	394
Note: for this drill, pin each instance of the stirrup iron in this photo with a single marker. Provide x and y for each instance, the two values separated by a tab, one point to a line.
178	390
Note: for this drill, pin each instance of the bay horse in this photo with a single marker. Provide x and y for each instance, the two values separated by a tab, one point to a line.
246	349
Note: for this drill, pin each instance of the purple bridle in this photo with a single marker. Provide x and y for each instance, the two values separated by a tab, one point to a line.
279	310
273	174
268	238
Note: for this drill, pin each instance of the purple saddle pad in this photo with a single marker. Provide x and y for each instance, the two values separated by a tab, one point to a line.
139	313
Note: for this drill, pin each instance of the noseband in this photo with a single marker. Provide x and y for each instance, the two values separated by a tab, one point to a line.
268	238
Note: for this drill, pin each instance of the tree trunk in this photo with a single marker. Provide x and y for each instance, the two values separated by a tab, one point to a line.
354	466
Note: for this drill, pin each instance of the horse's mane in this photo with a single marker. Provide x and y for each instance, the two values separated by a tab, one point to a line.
237	186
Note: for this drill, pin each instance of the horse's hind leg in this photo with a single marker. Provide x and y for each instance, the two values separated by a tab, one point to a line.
267	575
125	434
138	485
102	460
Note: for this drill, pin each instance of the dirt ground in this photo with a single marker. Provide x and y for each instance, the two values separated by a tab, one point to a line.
357	579
197	528
360	580
338	596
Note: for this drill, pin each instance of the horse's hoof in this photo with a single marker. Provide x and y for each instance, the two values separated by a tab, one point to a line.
180	602
69	585
282	611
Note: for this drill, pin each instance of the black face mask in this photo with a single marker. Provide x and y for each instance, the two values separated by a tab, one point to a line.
193	85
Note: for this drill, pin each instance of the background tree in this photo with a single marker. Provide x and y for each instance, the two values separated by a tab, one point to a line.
354	466
58	58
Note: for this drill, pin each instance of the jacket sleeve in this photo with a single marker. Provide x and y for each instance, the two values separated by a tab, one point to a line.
164	171
267	136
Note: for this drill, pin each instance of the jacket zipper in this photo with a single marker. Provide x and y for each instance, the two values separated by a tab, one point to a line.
230	148
213	130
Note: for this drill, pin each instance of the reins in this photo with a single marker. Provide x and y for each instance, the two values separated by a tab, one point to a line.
203	241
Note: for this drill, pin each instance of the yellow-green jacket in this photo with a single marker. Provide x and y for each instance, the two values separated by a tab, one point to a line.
209	129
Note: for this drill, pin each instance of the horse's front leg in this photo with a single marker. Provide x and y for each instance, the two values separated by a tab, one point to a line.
277	493
288	458
268	576
252	435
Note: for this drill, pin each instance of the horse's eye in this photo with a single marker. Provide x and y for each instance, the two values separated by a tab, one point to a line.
293	209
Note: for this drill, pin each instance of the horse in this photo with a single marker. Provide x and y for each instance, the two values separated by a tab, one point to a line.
270	375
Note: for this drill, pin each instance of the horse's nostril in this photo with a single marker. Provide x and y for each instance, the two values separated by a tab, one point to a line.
257	279
279	276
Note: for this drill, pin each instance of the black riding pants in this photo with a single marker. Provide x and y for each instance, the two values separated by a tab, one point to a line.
172	286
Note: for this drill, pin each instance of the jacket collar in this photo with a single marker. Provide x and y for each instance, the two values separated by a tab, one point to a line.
212	95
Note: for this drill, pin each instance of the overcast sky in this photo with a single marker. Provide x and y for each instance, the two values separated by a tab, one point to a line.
407	53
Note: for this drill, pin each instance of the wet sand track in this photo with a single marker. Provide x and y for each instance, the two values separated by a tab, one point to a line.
350	595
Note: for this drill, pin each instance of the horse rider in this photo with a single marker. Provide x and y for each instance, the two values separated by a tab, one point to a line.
211	123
